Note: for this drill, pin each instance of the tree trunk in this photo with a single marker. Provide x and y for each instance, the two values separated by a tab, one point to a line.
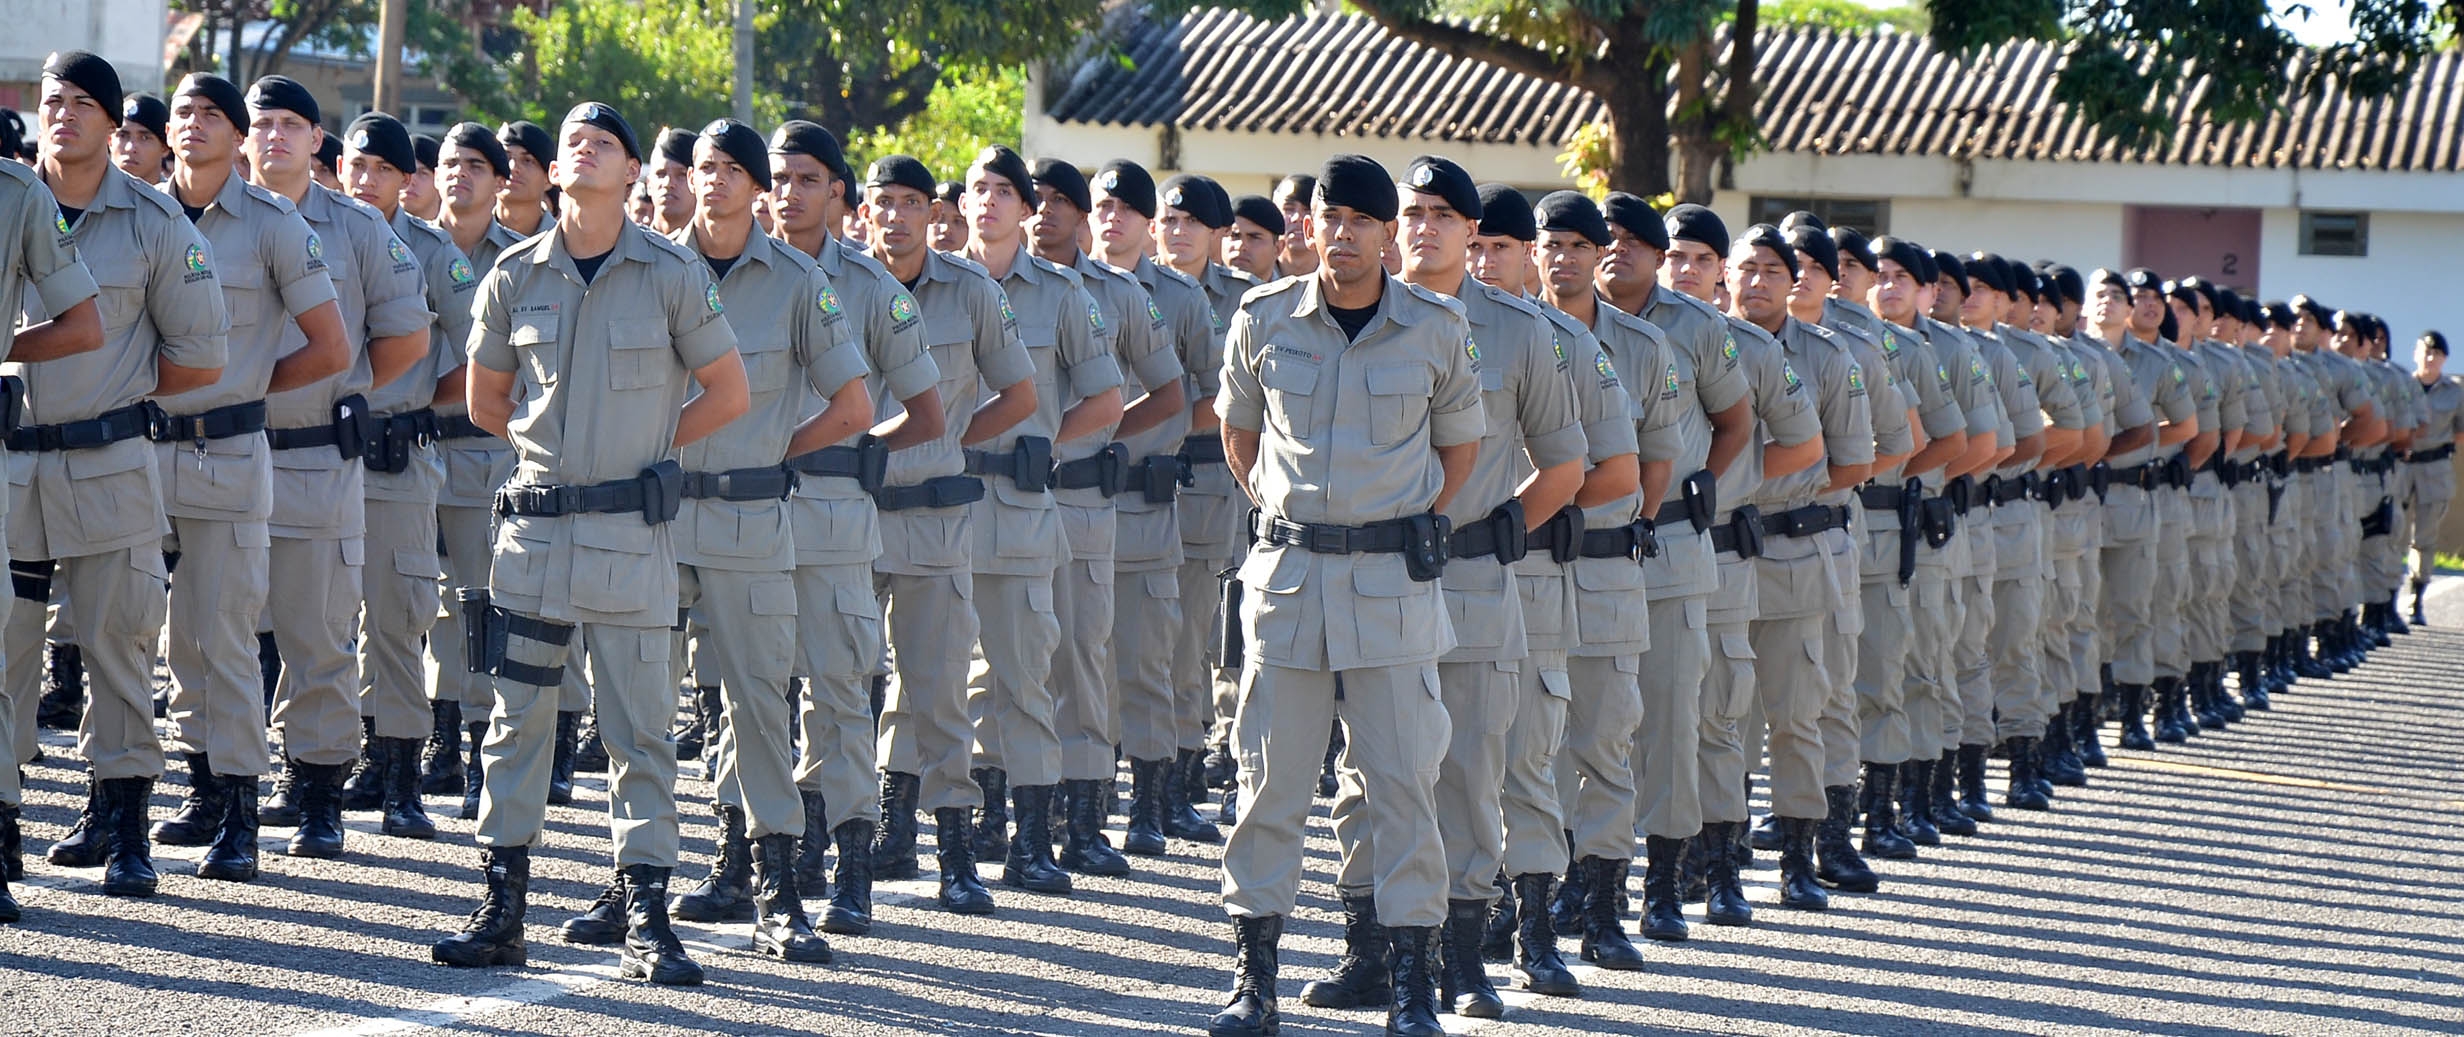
1638	131
1697	155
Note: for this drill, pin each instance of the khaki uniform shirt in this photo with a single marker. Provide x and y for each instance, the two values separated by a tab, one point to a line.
1348	434
602	371
2443	400
835	522
1606	604
1143	347
1191	333
475	466
972	336
1680	403
159	301
450	283
1016	532
272	269
796	345
1840	403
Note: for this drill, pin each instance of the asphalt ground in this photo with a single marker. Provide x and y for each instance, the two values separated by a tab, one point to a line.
2298	873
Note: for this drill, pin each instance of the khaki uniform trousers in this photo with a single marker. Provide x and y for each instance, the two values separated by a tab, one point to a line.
21	687
1017	718
838	630
1149	624
2382	556
1205	694
932	627
2127	591
631	669
1396	731
2329	517
11	792
1972	652
2214	573
2072	650
1842	738
1535	823
2431	488
1929	697
1884	725
2251	602
1480	700
1086	702
1661	781
2169	610
465	533
2016	642
313	601
748	631
1792	679
217	688
1722	768
402	601
116	601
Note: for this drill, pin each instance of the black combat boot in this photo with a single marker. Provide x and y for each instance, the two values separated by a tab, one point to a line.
1882	836
269	667
726	894
440	760
2134	718
1145	835
2310	665
651	950
1947	817
2419	619
1360	978
493	934
2022	793
2392	618
405	816
2207	685
2374	626
1029	864
320	810
1916	815
282	807
590	751
1412	1011
700	732
1463	978
851	893
472	782
1724	895
1251	1011
961	891
2280	673
128	870
88	841
1663	911
1229	813
780	928
2226	704
201	812
1334	751
64	689
894	846
2169	729
2084	739
1544	970
813	848
1497	939
233	855
1085	851
2250	672
10	871
1799	888
1837	861
364	790
2057	762
568	743
992	820
1972	784
1180	816
1604	935
603	922
1566	912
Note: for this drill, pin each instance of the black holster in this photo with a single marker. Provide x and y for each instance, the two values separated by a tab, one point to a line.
1940	519
1159	477
1424	553
1564	534
483	631
1911	526
1231	647
1701	493
662	491
12	404
354	427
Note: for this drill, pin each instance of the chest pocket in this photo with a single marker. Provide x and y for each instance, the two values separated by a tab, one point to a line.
1291	393
769	370
243	293
534	339
123	291
637	357
956	361
1399	401
1496	402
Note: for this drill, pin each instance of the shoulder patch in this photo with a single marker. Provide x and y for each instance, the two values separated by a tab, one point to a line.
1008	315
1095	318
316	246
459	271
1856	377
397	251
710	294
1557	343
1789	375
1728	343
902	307
1890	342
1156	314
1942	375
195	259
60	221
827	300
1471	349
1669	383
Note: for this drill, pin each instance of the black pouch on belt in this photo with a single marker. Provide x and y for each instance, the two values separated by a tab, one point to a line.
354	427
1425	546
1033	457
872	462
1911	526
1941	520
662	491
1564	534
1747	522
1229	644
1510	531
12	404
1701	492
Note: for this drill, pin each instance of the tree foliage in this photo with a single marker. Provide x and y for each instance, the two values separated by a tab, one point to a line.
860	66
660	62
971	108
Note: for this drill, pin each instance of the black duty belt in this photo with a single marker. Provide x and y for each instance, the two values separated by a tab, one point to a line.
397	435
771	482
225	422
1027	464
2062	485
1741	535
1673	513
1881	498
1807	521
2002	489
2379	465
1159	477
2310	464
1635	540
866	462
948	491
1202	449
349	433
2431	456
1502	534
113	426
1392	536
1106	472
655	494
460	426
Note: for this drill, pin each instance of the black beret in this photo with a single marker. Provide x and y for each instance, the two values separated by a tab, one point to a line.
2184	291
2229	304
1810	239
381	136
424	149
1767	236
1002	161
605	116
2067	281
329	154
1948	266
1989	270
2168	328
12	134
475	137
949	191
216	91
1909	255
1260	210
89	72
150	112
1926	270
1431	175
2023	281
1065	180
2141	278
2253	311
1505	214
900	171
1638	218
283	93
1129	182
799	137
743	144
1690	222
528	136
674	144
1298	185
1802	218
1358	183
1204	200
2109	276
1572	212
2317	312
2430	340
1852	245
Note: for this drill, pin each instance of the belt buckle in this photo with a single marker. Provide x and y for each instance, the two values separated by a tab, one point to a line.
1325	540
566	499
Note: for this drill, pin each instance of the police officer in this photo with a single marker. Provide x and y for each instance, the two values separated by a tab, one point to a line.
2080	525
1022	538
1127	521
1255	238
597	324
522	206
2290	540
472	167
1345	379
403	479
926	567
1294	196
419	194
2433	477
318	434
2130	310
35	254
2063	533
1168	551
86	503
141	147
837	528
2246	601
668	177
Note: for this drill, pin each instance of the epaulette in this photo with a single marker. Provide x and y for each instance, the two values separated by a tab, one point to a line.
1259	293
681	253
1504	298
1176	275
1450	303
1050	267
160	201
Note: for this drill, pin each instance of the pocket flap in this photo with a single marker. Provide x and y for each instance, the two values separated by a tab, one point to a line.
119	457
1736	646
1401	380
1162	584
636	333
1554	682
1612	575
856	601
613	533
411	561
1380	581
774	597
1284	374
1039	597
1275	572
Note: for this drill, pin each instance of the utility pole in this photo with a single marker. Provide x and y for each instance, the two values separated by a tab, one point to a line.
393	20
744	61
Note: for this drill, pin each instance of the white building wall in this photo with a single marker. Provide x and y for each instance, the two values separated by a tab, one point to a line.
2407	278
128	33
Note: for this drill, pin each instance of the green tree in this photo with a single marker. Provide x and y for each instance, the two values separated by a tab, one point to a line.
971	108
863	65
660	62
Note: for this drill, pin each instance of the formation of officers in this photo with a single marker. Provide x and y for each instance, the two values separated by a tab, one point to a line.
1523	531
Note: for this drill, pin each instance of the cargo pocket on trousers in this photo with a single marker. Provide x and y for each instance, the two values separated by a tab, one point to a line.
859	614
417	573
612	566
143	607
1737	654
114	491
772	601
